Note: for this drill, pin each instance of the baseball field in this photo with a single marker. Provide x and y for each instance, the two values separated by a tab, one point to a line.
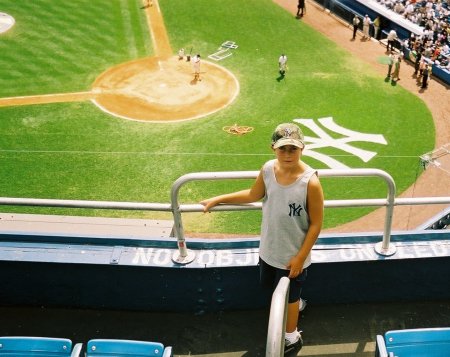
93	106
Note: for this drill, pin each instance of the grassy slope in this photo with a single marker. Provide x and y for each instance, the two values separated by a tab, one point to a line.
73	151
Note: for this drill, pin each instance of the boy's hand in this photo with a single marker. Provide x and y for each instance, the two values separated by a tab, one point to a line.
295	267
208	203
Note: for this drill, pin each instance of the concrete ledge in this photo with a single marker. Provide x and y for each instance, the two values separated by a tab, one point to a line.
77	225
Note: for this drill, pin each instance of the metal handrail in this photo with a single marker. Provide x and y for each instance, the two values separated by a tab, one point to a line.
184	256
277	319
44	202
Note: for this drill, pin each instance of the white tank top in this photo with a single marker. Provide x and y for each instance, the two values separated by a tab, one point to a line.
285	220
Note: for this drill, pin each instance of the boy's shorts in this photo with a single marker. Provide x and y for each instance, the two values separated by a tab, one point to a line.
270	276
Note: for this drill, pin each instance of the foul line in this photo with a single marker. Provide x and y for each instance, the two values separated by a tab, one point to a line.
46	98
161	47
161	43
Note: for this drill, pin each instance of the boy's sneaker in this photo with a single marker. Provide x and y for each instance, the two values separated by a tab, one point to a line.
301	305
291	347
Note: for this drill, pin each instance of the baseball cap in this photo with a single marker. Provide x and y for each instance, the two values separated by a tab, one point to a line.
287	134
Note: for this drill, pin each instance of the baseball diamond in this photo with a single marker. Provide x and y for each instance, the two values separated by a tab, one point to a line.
63	101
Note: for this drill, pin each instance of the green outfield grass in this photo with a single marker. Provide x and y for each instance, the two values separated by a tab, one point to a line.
75	151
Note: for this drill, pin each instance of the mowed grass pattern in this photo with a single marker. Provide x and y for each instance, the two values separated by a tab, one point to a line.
75	151
62	46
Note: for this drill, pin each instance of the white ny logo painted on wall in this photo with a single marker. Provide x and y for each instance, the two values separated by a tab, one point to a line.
323	140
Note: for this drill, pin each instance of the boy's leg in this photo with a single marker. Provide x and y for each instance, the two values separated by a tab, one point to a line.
292	316
295	290
270	276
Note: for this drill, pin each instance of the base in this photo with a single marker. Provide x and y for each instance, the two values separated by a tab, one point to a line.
385	252
178	259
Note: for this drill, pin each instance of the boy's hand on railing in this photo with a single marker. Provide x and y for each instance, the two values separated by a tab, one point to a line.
207	204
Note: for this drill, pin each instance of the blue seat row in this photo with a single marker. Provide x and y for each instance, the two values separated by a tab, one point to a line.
422	342
20	346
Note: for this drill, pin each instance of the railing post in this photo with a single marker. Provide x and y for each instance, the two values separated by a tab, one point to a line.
277	319
385	247
182	255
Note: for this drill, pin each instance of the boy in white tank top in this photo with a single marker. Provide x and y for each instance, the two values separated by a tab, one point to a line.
292	217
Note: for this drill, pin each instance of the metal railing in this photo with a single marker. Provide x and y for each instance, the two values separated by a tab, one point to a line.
184	256
277	319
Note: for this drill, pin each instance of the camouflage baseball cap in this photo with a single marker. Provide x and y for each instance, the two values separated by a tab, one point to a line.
288	134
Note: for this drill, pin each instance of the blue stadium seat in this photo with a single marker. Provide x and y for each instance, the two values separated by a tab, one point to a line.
20	346
119	348
423	342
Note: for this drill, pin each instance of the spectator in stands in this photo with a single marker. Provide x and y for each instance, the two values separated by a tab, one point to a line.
427	52
399	8
409	9
432	15
355	23
391	38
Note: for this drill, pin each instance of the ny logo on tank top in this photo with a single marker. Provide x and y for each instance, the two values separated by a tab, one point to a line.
295	210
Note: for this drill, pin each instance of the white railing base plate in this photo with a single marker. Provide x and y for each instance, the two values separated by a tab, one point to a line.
385	252
189	258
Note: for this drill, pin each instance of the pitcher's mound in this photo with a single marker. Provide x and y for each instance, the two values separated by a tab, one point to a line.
155	89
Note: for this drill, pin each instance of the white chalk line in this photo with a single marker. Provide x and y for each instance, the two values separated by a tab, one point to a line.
78	152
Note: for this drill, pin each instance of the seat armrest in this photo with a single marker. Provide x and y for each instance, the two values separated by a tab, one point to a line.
380	350
167	352
76	350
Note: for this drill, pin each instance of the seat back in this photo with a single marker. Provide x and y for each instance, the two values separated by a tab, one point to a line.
418	342
118	348
19	346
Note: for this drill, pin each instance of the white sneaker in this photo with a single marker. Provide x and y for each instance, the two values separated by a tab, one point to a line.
301	305
294	345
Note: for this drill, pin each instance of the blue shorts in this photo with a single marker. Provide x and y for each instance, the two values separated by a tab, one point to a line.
270	276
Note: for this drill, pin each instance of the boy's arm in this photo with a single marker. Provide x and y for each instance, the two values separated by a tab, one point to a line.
315	210
253	194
